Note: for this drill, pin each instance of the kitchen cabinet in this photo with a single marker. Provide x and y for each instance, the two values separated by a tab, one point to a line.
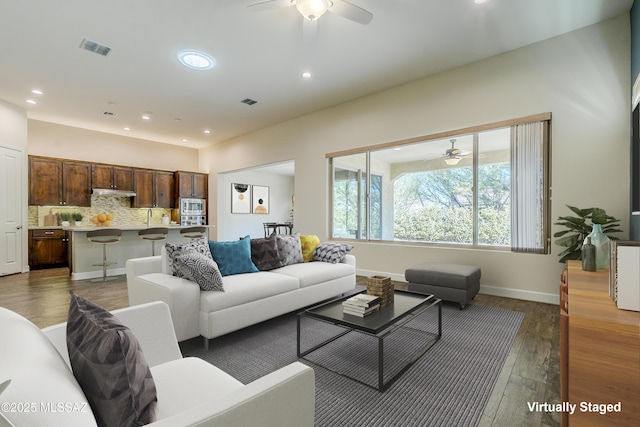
112	177
59	182
154	189
45	181
48	248
191	185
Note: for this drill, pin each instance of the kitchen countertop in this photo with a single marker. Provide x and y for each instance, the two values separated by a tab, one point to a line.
122	227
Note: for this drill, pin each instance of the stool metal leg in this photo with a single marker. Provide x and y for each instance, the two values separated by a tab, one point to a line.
104	265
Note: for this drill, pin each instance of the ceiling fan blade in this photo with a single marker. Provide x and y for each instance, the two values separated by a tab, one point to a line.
270	4
309	29
351	12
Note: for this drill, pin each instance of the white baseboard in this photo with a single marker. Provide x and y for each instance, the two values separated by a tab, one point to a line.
97	274
484	289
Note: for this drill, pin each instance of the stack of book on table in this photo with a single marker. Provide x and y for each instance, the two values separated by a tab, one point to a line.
361	305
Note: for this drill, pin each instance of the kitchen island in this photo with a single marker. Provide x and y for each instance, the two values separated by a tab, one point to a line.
83	253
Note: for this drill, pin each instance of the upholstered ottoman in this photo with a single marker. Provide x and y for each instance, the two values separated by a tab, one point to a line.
449	282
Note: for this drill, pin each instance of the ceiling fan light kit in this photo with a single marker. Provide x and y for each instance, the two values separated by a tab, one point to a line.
312	9
452	161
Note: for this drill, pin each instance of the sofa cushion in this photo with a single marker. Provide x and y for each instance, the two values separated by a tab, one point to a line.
199	268
312	273
332	252
174	249
38	374
186	383
289	248
245	288
264	253
233	257
108	363
308	242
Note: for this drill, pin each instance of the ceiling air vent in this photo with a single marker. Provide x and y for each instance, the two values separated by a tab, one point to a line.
249	101
109	113
98	48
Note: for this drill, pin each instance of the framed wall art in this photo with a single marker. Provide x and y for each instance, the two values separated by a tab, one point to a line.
260	199
240	199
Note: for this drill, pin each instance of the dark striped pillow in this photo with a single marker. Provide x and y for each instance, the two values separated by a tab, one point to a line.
108	363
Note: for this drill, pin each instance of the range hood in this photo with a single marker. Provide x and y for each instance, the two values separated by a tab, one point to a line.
112	192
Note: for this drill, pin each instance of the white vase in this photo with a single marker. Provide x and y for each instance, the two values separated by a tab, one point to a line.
78	223
65	223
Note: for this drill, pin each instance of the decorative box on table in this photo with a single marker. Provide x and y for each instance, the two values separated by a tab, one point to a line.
381	286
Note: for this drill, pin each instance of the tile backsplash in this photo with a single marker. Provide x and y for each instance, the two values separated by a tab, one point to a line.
119	207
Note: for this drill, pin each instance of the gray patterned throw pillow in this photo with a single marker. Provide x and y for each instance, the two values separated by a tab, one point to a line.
200	245
289	249
199	268
108	363
331	252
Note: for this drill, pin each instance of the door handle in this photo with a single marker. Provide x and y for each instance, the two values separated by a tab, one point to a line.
19	227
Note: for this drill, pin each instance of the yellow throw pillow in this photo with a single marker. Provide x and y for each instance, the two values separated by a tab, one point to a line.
308	243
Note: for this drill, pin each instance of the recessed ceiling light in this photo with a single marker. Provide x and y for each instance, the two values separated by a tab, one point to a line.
126	128
196	60
207	131
184	140
36	92
306	75
479	1
31	101
146	116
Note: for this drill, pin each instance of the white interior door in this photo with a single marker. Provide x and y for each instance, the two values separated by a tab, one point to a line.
11	217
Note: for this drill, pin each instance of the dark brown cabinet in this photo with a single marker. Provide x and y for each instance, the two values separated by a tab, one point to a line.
76	184
154	189
48	248
191	184
45	181
112	177
59	182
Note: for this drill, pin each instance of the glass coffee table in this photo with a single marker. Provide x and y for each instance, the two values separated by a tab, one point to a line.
380	325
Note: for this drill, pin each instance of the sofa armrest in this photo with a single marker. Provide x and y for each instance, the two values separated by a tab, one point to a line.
284	398
145	283
349	259
150	323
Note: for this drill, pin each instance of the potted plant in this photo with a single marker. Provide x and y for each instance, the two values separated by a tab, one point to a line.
577	229
64	218
77	217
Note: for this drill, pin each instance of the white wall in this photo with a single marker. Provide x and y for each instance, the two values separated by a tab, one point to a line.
67	142
582	78
233	226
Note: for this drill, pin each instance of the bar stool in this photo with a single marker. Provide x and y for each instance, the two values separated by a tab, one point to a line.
193	232
104	237
153	234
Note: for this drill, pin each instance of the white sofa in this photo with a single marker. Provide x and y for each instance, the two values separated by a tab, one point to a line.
190	391
248	298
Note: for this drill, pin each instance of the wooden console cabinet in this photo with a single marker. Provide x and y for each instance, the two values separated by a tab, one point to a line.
599	351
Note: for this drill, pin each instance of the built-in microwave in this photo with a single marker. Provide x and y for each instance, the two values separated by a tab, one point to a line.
193	207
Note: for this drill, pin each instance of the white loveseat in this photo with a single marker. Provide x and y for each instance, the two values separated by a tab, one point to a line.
190	391
248	298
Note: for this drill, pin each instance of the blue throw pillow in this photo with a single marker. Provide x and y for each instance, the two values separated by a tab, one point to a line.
233	257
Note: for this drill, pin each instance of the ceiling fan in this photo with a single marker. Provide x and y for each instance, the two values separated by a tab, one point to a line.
312	10
453	155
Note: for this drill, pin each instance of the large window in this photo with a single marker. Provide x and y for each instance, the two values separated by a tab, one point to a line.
483	187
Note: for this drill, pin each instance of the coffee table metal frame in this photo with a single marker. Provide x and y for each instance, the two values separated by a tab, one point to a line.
407	305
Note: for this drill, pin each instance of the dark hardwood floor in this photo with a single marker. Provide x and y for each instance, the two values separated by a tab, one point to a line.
530	374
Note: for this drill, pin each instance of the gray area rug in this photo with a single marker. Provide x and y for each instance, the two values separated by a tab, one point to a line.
449	386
